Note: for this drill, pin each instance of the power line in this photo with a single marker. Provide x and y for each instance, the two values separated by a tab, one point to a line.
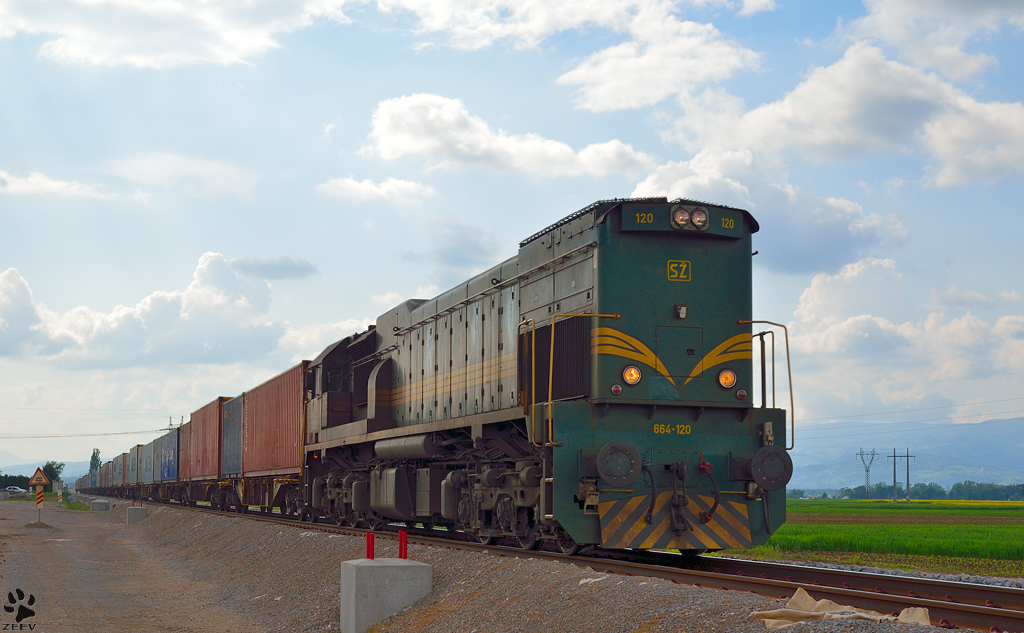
44	437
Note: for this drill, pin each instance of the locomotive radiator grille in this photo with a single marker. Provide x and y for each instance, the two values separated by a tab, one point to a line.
624	524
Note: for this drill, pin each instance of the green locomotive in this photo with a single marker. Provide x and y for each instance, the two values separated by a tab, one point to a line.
596	389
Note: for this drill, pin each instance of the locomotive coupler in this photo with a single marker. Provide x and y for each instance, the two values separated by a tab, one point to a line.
680	523
705	469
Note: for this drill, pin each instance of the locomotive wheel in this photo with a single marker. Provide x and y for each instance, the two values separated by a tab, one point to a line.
487	540
529	543
566	545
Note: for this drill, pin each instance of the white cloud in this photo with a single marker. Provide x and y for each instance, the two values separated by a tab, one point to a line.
857	337
952	297
665	57
933	33
800	232
443	131
976	142
219	317
750	7
37	184
197	177
144	33
389	190
308	341
476	24
18	316
862	105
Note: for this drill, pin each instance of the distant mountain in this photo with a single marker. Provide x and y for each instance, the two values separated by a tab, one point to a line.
72	470
6	459
991	451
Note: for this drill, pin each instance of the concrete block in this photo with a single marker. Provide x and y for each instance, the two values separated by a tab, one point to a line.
375	590
100	505
136	515
4	494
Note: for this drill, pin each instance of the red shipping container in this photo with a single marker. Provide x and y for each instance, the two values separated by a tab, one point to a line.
122	480
203	443
184	440
273	425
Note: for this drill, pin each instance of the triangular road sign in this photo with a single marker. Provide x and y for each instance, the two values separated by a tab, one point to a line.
38	479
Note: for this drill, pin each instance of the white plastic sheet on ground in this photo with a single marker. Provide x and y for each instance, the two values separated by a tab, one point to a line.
803	607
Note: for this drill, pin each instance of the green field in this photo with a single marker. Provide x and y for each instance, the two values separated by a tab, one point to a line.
841	506
954	529
1004	542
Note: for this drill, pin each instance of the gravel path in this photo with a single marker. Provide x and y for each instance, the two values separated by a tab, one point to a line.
187	571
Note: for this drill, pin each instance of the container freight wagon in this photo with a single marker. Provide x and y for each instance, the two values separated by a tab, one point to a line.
200	453
272	447
146	467
133	465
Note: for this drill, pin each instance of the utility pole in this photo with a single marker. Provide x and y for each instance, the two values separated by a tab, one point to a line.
895	459
864	455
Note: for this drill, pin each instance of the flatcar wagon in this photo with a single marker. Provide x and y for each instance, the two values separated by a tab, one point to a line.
597	389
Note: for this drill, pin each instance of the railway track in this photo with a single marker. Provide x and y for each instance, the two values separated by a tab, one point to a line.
950	604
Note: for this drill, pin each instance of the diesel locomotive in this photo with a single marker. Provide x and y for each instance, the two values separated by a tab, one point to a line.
597	389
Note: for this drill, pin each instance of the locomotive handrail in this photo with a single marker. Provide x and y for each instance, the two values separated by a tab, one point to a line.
551	369
764	389
528	401
789	373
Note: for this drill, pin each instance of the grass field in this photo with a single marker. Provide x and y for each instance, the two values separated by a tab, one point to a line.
985	537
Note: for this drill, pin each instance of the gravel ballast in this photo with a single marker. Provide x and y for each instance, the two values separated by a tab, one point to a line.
186	570
288	578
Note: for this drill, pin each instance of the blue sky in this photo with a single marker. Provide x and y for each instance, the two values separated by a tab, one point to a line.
194	195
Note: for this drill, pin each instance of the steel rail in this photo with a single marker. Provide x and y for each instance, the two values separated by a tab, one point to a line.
739	575
911	586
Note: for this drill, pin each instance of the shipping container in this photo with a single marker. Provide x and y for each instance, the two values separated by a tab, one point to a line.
168	457
204	452
146	459
133	464
123	480
272	427
115	472
231	438
184	442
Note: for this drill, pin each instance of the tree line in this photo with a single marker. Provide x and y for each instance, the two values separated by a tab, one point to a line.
964	490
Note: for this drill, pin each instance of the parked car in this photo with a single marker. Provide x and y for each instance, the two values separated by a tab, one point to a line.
13	489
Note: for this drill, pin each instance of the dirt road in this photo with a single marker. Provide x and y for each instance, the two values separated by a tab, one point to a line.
90	572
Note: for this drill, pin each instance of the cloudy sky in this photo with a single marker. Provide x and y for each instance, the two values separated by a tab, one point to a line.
196	194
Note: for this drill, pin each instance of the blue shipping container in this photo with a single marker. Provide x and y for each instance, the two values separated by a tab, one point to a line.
169	456
231	438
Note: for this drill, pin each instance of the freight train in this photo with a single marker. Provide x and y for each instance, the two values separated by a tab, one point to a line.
597	389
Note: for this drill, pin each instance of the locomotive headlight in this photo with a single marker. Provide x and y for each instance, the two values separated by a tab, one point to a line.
631	375
727	378
680	217
699	217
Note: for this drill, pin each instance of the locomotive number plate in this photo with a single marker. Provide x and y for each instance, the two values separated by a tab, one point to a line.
678	270
677	429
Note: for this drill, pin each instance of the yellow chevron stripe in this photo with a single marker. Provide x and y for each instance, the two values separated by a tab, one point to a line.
736	348
606	340
618	519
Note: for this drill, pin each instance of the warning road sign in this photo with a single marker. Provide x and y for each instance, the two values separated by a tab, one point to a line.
39	497
38	479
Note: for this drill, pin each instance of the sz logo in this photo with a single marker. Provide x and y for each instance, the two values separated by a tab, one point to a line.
678	270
